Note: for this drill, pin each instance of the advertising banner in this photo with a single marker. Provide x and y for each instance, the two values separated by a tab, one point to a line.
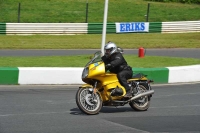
132	27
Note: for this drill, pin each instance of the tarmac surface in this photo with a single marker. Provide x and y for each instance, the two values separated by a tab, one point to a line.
185	53
52	109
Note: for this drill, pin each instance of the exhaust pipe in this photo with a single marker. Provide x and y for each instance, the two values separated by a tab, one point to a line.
141	95
135	97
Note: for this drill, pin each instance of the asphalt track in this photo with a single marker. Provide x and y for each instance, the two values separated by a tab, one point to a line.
52	109
185	53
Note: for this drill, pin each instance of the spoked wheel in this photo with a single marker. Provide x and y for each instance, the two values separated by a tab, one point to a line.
88	102
142	103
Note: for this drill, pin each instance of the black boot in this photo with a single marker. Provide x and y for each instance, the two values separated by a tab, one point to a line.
128	94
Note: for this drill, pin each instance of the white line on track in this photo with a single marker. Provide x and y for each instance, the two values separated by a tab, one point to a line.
186	106
41	113
161	96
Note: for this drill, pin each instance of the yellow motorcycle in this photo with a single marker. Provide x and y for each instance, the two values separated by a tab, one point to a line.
102	88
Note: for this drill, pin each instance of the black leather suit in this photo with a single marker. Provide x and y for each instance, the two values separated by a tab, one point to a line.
120	67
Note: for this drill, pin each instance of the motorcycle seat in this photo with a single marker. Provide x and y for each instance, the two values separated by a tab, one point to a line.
139	75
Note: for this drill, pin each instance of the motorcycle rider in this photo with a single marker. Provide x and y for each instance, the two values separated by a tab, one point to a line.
115	63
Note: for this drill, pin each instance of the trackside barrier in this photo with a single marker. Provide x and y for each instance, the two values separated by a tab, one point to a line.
2	28
46	28
9	75
92	28
72	75
49	75
181	27
159	75
184	74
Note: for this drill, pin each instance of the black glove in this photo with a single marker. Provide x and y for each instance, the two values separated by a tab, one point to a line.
108	66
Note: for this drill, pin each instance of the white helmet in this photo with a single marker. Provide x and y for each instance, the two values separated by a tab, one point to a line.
110	48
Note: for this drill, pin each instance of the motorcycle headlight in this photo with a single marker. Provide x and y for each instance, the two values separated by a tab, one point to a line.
85	72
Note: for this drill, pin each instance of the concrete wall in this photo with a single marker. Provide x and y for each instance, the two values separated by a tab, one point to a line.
72	75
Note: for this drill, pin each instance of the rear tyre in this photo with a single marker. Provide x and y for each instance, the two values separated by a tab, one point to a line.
87	102
142	103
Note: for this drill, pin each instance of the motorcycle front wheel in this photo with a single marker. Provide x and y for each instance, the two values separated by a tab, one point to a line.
88	102
142	103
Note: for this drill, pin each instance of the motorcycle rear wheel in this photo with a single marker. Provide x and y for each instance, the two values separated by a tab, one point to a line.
141	104
87	103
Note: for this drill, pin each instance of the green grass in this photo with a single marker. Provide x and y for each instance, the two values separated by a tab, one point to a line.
74	11
93	41
81	60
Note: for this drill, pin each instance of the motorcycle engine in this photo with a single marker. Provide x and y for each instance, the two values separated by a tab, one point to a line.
117	92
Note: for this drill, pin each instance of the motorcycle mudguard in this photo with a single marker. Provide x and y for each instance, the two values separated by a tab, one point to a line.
86	86
90	86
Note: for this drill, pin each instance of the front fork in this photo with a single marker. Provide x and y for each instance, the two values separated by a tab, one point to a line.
93	91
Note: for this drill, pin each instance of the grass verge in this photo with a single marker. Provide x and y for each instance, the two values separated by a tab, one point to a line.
93	41
81	60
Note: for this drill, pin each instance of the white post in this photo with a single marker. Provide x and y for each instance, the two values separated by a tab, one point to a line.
104	26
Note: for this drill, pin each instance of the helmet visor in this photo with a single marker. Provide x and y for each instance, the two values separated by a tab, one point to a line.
107	52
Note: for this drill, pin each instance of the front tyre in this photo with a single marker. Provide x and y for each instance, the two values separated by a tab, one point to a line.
88	102
142	103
